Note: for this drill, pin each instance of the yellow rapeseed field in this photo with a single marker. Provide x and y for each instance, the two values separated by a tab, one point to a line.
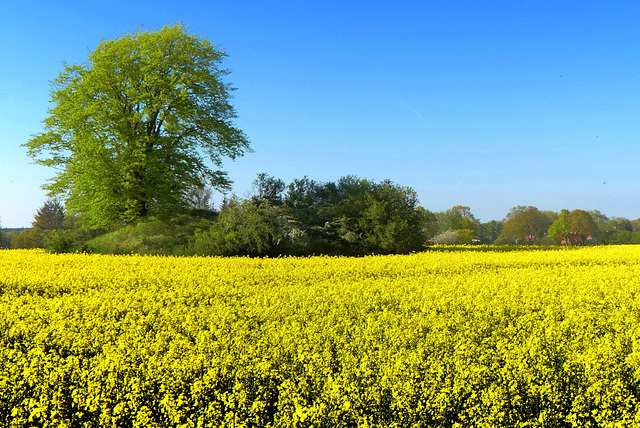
546	338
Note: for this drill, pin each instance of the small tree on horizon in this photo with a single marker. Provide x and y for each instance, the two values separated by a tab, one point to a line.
523	222
580	223
559	230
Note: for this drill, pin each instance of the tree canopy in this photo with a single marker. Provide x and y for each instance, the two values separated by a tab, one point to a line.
50	216
524	223
135	127
559	229
380	217
580	223
352	216
457	218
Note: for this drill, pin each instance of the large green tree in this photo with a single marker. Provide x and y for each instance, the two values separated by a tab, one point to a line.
132	129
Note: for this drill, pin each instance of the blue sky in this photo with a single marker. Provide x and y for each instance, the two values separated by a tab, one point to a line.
488	104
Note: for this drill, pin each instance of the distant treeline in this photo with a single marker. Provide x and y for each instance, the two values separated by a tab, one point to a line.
351	216
7	234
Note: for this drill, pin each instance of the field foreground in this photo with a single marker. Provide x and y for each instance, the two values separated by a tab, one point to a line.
446	339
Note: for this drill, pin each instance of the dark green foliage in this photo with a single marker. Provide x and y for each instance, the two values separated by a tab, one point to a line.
381	218
65	240
489	232
356	216
313	206
618	237
268	189
245	228
350	217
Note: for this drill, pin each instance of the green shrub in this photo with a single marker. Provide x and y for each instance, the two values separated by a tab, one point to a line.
63	241
153	236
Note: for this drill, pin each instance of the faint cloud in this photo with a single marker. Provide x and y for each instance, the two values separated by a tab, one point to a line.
399	100
416	112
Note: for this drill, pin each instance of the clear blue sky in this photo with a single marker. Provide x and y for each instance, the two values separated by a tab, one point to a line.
488	104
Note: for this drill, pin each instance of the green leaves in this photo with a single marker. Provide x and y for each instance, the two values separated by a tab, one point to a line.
130	126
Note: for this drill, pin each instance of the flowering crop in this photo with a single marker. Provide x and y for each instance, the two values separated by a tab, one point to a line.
449	339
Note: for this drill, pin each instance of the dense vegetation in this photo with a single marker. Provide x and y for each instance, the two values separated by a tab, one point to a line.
448	339
351	216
